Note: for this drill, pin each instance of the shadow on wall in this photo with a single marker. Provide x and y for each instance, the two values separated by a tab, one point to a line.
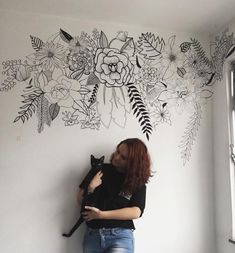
71	210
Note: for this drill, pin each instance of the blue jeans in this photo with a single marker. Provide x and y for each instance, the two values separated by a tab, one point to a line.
108	240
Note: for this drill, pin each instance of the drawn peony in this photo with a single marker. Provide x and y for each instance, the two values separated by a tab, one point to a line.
113	67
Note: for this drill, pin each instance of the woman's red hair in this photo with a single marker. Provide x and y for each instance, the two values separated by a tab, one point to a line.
138	169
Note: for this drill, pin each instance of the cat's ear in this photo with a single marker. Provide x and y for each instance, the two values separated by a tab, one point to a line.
102	159
92	158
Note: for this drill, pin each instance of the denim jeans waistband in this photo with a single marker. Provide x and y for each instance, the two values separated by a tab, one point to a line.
106	231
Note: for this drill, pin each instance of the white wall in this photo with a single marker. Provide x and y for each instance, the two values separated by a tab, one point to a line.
39	173
223	215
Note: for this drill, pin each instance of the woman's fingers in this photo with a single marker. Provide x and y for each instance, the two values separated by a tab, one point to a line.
99	174
96	181
92	213
92	208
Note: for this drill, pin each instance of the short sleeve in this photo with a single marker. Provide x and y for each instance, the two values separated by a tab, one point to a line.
138	199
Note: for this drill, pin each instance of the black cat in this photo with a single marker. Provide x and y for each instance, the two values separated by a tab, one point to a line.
96	165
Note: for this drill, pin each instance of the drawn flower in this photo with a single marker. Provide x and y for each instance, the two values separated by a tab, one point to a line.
69	119
182	95
51	56
148	76
80	60
160	115
92	120
122	36
149	80
112	67
62	91
22	73
172	58
192	61
197	70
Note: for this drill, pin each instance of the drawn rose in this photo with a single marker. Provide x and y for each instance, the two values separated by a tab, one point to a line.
62	91
112	67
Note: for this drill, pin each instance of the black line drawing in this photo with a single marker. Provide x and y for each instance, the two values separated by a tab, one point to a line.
91	81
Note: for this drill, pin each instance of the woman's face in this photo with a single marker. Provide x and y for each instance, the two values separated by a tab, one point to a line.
120	157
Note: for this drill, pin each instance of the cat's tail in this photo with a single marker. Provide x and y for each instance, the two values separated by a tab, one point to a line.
74	228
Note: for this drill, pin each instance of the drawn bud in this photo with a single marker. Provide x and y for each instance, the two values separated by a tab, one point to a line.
122	36
22	73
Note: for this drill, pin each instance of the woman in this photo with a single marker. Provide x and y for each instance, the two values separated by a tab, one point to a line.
119	192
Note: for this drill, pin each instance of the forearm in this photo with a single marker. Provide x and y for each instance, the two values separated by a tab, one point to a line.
127	213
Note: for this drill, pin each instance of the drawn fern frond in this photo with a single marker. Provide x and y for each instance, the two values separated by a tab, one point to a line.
30	101
139	110
201	53
43	113
87	39
9	70
7	84
93	95
190	133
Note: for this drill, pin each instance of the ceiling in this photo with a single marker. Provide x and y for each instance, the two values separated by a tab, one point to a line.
197	16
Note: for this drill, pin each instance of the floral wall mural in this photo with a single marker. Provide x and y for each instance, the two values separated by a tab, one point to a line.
93	81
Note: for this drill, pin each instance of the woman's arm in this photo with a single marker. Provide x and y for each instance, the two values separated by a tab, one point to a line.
127	213
96	181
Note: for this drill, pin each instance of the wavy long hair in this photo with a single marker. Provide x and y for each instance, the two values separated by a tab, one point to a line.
138	171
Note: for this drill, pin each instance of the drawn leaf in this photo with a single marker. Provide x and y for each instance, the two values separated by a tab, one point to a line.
137	62
206	93
43	113
37	43
93	95
200	52
103	41
54	110
181	71
129	47
77	74
190	133
171	41
230	52
150	46
211	79
185	46
92	79
65	36
16	119
84	91
30	101
139	109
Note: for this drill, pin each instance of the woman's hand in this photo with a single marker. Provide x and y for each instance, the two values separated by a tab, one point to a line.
96	181
92	213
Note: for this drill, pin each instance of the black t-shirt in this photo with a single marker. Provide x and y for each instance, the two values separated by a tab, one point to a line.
109	196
